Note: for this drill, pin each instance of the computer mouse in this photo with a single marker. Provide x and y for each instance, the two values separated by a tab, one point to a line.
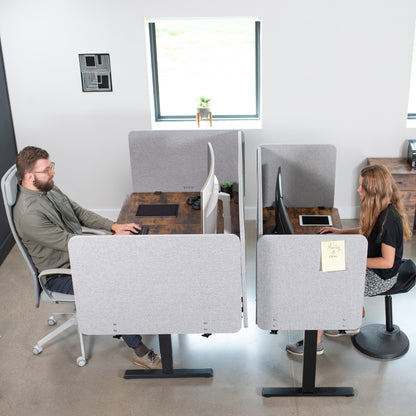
192	199
137	231
326	232
197	204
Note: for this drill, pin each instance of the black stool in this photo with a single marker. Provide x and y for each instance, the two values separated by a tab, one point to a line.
388	341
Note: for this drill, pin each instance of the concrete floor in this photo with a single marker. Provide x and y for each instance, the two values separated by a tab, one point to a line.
243	363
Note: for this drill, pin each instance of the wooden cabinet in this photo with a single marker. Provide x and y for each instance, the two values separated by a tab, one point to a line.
405	177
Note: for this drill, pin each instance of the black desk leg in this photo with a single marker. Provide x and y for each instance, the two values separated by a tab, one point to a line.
165	343
308	388
309	362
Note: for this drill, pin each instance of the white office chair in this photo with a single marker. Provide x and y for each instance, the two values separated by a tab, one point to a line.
9	188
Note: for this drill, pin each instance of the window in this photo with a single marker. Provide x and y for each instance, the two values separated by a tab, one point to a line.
217	59
412	91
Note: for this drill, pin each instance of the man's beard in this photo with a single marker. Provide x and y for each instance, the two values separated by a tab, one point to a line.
43	187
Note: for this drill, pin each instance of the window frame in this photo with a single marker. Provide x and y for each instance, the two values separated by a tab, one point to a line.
155	81
412	116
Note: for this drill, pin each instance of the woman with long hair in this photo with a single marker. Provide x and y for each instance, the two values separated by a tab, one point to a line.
384	224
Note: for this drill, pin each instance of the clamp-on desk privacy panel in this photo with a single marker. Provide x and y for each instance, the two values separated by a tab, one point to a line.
308	174
157	284
293	293
177	160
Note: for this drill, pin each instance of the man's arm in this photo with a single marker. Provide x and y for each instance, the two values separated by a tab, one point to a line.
92	220
39	230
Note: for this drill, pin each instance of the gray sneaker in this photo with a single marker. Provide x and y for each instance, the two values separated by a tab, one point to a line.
297	349
341	332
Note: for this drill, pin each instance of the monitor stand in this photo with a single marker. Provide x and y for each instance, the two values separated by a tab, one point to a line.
225	198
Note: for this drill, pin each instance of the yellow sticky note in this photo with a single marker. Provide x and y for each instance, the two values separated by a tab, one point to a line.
333	255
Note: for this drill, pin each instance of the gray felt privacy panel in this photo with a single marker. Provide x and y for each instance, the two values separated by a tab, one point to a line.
157	284
293	293
177	160
308	174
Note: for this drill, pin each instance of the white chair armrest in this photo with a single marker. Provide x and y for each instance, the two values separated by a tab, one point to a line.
42	280
93	231
48	272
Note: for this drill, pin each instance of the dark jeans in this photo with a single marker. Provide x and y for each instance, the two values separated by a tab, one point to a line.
63	284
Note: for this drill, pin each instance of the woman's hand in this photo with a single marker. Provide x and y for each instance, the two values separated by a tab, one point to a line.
329	230
333	230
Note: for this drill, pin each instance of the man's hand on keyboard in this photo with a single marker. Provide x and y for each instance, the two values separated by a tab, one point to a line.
125	229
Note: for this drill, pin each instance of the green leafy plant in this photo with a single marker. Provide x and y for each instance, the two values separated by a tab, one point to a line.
204	102
226	184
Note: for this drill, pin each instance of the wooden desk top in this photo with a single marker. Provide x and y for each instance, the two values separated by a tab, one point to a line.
405	178
396	165
402	172
188	220
269	220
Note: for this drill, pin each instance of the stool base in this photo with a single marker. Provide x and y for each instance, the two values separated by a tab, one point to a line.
374	340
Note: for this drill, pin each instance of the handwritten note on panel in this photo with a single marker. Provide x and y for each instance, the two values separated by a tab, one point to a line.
333	255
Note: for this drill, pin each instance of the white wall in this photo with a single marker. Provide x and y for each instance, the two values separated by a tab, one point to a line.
333	71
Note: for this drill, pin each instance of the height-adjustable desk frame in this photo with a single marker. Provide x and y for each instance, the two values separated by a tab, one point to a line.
168	286
188	221
195	293
293	293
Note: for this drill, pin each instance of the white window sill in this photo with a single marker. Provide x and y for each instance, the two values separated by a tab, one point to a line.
411	124
216	125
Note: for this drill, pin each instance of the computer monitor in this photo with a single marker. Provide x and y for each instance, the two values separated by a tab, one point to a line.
210	194
209	197
282	221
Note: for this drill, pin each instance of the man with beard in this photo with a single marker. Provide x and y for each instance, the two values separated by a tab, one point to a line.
46	219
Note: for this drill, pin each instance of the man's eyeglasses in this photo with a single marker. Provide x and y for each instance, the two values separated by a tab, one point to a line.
48	170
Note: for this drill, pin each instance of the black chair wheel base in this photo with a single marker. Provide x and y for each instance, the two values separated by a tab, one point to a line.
374	340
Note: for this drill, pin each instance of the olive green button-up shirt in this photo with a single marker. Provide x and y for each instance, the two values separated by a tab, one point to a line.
45	221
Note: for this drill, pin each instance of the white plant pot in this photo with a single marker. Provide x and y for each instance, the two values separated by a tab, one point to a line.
203	111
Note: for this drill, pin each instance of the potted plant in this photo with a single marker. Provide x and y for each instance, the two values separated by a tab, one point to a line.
203	108
227	187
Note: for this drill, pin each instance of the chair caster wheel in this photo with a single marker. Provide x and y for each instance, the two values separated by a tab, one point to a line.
37	349
81	361
51	321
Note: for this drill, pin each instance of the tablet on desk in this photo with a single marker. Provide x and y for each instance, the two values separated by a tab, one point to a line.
157	210
315	220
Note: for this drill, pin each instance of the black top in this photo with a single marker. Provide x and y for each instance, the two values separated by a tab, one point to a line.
388	230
